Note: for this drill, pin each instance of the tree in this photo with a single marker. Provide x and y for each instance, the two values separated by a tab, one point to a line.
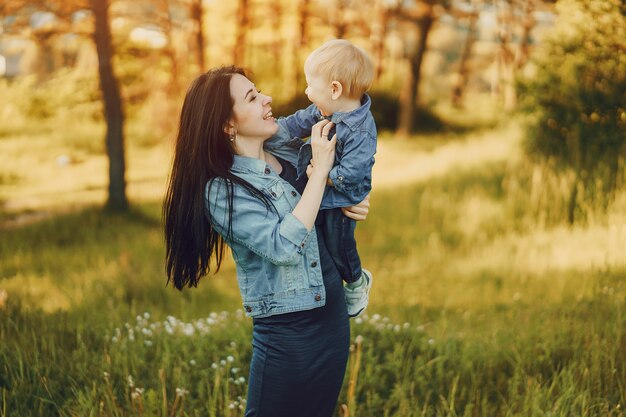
512	15
114	115
577	102
242	27
302	42
197	16
113	111
420	15
458	90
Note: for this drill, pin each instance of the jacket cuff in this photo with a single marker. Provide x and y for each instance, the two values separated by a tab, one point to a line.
338	180
294	231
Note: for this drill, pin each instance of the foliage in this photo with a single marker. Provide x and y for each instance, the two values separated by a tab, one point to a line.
577	98
64	97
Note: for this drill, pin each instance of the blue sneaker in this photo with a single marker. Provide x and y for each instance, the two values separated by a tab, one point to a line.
357	298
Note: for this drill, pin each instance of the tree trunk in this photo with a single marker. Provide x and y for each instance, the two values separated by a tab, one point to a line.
378	35
165	21
410	93
239	51
528	22
458	91
277	41
301	43
337	18
113	112
503	83
197	17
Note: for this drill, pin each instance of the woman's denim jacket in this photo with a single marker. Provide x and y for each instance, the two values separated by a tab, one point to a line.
277	258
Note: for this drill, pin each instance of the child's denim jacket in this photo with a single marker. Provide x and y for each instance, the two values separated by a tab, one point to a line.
277	258
354	157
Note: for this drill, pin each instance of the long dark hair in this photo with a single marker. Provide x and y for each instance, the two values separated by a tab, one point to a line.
203	151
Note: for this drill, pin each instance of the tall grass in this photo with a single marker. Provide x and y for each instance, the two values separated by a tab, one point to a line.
484	304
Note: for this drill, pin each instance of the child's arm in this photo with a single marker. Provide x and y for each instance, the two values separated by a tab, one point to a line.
294	128
300	123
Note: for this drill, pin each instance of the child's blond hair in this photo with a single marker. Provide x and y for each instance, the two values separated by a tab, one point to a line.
340	60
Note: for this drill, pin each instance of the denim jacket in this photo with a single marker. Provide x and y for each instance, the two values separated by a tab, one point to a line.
277	258
354	155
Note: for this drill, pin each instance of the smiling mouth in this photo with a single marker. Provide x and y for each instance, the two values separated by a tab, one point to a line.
268	115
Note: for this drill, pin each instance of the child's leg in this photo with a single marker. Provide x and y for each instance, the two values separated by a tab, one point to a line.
339	238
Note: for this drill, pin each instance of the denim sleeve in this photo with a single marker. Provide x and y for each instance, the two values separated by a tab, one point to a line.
300	123
356	162
282	138
261	230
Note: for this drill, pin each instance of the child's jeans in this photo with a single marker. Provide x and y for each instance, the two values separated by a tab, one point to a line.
339	238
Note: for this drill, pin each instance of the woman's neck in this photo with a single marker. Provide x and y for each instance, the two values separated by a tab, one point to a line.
250	149
255	150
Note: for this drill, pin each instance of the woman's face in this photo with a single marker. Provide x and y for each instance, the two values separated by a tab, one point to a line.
252	110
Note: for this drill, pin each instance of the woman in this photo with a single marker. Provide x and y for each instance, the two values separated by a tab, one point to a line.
231	185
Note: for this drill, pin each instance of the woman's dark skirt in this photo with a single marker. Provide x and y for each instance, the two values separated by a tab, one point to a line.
299	359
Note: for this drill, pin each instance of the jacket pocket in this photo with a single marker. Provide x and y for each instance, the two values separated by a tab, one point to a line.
277	195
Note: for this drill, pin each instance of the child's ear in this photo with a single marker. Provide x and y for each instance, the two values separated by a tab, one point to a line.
336	89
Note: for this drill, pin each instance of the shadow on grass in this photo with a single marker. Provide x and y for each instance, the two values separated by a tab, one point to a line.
108	261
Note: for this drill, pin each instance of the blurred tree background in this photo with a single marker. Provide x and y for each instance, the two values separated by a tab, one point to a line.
428	54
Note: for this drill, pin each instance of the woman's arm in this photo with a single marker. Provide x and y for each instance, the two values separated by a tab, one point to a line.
323	159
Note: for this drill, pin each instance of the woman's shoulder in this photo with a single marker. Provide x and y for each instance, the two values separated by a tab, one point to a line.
219	189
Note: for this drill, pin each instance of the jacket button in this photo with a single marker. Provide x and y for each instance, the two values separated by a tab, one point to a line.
248	309
273	194
293	193
313	264
267	170
318	297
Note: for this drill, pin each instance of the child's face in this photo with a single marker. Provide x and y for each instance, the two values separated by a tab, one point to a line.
319	91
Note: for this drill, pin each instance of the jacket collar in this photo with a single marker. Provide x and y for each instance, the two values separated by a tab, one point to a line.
354	118
250	165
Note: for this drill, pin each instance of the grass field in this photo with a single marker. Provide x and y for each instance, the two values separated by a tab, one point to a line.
483	304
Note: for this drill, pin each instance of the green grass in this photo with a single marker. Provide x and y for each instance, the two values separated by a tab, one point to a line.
459	323
485	303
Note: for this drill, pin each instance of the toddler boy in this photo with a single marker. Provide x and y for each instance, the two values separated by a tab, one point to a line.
338	75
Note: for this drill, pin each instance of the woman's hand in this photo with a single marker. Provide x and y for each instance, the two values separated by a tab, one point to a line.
323	149
358	211
322	162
